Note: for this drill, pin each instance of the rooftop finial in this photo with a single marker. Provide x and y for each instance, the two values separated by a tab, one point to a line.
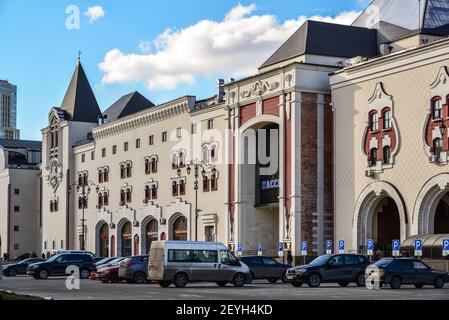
79	56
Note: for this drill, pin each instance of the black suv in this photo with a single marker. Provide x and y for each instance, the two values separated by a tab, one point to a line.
397	272
339	268
266	268
57	266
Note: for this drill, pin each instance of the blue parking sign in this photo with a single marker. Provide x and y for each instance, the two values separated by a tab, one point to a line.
341	246
446	248
304	248
370	245
329	245
239	247
418	244
281	246
396	248
259	246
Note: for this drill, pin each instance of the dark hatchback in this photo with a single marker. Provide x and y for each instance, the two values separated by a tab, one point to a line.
397	272
57	265
338	268
266	268
19	268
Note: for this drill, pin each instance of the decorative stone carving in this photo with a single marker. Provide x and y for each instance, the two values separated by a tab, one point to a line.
260	88
54	176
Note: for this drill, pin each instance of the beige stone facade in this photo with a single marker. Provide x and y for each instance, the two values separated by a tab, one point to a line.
399	194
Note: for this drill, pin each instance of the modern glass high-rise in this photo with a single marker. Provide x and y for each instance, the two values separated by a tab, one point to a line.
8	111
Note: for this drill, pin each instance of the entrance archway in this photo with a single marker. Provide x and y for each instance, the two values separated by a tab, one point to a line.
103	240
126	239
150	233
379	215
431	215
180	229
259	185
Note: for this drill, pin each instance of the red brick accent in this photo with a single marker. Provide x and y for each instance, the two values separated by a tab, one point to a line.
379	135
271	106
309	151
432	124
328	169
247	113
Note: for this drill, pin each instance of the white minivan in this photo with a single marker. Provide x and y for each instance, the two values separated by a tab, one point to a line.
180	262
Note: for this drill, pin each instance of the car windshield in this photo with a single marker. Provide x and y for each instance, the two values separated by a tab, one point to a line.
103	261
320	260
54	258
383	263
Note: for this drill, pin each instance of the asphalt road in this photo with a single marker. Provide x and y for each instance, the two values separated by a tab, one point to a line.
55	288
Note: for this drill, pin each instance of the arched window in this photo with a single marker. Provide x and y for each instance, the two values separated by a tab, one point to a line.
180	229
182	160
128	170
374	122
105	175
174	189
437	109
387	154
437	147
153	192
205	184
122	197
373	157
100	176
147	166
54	136
205	154
387	119
174	161
100	201
153	165
105	199
214	183
128	196
151	233
182	187
147	194
122	171
213	153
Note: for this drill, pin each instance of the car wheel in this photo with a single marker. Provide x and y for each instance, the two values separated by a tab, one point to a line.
343	284
314	280
13	272
419	285
439	283
164	284
272	280
114	277
239	280
396	283
85	274
43	274
180	280
104	281
222	283
297	284
360	280
140	278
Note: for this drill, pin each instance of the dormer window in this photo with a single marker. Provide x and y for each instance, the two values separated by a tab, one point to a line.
437	109
374	122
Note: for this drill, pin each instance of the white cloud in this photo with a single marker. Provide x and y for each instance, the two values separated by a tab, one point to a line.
235	46
95	13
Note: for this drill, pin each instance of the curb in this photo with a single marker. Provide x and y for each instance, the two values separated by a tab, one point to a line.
26	295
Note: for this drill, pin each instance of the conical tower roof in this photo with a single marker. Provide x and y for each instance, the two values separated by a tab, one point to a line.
79	101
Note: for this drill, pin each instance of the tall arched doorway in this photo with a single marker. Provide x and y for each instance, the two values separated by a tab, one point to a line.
180	229
379	215
151	233
386	225
103	241
441	220
126	240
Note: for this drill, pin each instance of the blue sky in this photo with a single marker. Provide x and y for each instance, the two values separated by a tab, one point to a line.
208	39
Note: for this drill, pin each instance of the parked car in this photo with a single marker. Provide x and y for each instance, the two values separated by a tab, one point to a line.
14	269
98	264
58	252
266	268
180	262
24	256
107	272
134	269
338	268
57	265
397	272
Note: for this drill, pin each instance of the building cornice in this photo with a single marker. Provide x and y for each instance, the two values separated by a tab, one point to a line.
147	117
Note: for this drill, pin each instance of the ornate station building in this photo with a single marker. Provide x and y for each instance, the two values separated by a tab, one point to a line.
341	135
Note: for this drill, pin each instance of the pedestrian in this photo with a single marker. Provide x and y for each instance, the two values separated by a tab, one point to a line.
289	257
34	255
43	256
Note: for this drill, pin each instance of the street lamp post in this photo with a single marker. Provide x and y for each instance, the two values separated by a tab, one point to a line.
85	191
197	165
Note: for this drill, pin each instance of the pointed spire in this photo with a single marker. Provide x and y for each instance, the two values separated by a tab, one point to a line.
79	101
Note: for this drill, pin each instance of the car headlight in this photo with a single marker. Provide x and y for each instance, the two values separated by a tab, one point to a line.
301	271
